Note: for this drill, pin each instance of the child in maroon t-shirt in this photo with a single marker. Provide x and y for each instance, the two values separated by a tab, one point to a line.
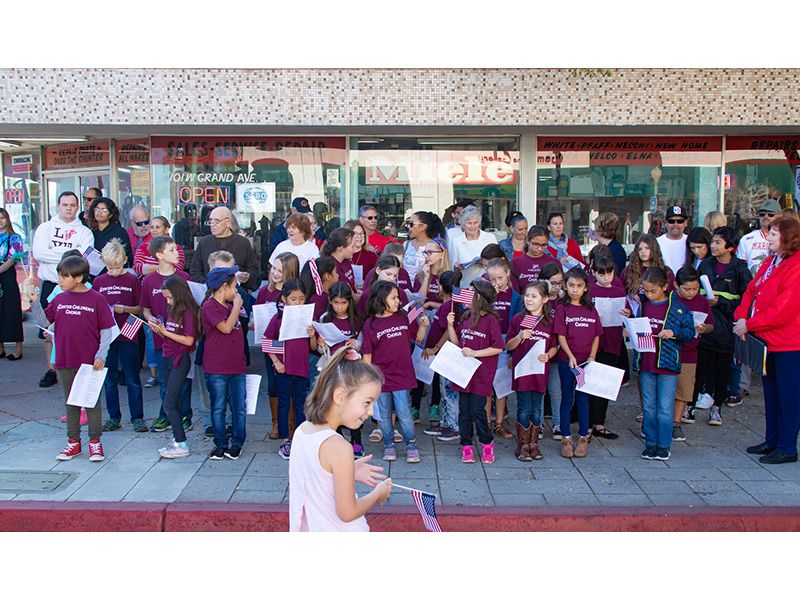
530	264
83	326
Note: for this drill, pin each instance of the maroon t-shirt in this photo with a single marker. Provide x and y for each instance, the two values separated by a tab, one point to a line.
388	340
366	259
122	289
222	353
611	340
438	325
153	299
697	304
433	287
345	270
344	326
265	295
363	301
403	279
295	352
79	317
535	383
320	302
503	307
528	269
184	326
486	334
655	312
580	325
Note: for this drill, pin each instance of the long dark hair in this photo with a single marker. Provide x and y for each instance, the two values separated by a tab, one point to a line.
325	266
338	238
482	301
433	224
698	235
9	224
378	294
341	290
182	300
113	212
577	273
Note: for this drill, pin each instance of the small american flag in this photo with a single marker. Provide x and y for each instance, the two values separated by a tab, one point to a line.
645	341
131	328
529	322
426	505
463	295
414	312
271	346
580	376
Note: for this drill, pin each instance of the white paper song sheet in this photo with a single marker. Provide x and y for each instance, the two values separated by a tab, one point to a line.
530	363
699	319
422	366
96	264
608	309
502	377
601	380
86	386
295	322
262	315
634	327
198	291
330	333
358	275
252	384
451	364
706	283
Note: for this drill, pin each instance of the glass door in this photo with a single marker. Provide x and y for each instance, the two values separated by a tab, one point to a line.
57	183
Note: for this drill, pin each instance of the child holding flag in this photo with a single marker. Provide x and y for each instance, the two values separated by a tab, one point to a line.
122	290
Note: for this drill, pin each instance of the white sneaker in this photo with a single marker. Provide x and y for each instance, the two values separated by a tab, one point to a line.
175	450
714	416
704	401
376	436
397	437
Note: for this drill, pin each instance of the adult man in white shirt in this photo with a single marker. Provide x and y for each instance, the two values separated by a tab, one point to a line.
673	242
754	247
52	239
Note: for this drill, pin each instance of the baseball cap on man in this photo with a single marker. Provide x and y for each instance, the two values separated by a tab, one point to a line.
300	204
676	211
771	205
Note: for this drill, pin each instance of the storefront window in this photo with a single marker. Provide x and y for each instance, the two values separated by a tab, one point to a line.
756	169
21	192
133	174
404	175
76	168
636	178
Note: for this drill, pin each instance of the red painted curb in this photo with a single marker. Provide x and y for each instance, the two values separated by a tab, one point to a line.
185	516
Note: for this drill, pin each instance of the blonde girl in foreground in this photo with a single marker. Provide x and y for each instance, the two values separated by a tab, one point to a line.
322	473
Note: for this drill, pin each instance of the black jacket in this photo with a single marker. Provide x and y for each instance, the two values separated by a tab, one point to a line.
114	230
728	288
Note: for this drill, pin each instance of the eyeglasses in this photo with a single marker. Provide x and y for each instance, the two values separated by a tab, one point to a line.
100	209
676	221
217	221
536	245
764	213
372	218
88	199
142	223
427	252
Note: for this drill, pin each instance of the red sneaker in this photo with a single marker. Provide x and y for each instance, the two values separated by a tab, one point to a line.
73	448
96	451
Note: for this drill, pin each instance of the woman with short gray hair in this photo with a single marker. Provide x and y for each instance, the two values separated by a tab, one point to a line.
467	247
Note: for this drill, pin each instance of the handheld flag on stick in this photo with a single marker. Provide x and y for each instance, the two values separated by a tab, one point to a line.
271	346
426	505
580	376
463	295
414	312
529	322
131	328
646	341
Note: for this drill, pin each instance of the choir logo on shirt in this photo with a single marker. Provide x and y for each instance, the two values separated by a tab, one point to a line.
74	309
471	334
580	321
392	332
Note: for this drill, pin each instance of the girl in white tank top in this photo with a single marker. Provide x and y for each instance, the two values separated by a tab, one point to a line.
322	473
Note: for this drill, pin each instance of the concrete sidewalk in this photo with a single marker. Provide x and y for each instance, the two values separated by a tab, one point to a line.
710	469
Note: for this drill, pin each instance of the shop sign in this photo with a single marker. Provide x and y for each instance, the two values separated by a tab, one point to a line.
784	146
76	156
332	177
472	172
133	152
255	197
21	164
219	195
14	197
140	182
230	150
622	150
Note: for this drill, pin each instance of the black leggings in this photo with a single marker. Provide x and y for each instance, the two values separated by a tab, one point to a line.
419	391
472	410
175	376
712	367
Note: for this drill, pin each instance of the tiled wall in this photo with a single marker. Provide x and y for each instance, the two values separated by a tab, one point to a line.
400	97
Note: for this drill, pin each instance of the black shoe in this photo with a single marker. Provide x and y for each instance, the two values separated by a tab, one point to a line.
209	431
763	448
604	433
234	452
49	379
777	457
218	453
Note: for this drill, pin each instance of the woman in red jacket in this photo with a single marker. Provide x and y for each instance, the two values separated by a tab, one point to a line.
769	311
560	245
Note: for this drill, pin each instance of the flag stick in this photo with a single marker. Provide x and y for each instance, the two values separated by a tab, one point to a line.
402	487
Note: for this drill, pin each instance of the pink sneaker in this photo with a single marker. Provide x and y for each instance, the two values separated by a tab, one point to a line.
488	454
466	454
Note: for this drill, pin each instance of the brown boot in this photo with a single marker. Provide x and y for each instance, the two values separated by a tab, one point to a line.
582	447
533	447
273	407
566	447
523	440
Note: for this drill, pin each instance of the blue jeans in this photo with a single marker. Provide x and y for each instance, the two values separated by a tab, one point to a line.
570	394
448	404
224	390
400	402
735	380
150	349
781	401
272	383
127	355
186	390
313	359
658	405
529	408
292	390
554	390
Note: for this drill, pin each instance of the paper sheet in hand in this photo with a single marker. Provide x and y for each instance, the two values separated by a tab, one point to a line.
86	386
330	333
634	327
570	264
530	363
601	380
635	305
451	364
295	322
262	315
502	377
198	291
251	385
751	352
96	264
358	275
422	366
706	283
699	319
608	309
